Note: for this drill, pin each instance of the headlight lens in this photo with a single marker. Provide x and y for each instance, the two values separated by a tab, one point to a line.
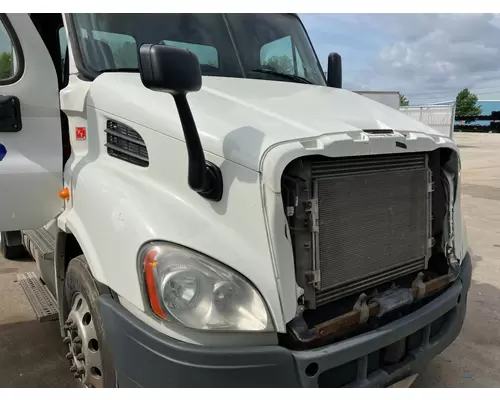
198	292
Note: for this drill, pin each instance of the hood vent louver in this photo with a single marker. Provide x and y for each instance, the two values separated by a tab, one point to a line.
379	131
126	144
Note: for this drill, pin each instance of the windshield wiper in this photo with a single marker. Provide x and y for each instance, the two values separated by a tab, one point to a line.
293	78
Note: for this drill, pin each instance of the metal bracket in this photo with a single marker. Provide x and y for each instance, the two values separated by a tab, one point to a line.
419	284
312	208
449	245
393	299
313	277
430	184
362	306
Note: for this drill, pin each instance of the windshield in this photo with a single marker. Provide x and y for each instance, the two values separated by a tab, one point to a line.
257	46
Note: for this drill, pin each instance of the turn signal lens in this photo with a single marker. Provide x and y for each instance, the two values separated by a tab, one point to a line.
150	265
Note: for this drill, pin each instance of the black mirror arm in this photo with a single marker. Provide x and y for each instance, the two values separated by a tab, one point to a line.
204	177
334	70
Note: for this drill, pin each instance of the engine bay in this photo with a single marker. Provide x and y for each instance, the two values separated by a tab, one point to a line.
394	209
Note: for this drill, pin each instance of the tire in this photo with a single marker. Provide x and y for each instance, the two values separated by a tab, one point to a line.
80	283
11	252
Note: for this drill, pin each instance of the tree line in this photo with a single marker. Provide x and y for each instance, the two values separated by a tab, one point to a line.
5	65
465	103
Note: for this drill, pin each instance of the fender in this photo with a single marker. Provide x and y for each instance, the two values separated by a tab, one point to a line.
137	205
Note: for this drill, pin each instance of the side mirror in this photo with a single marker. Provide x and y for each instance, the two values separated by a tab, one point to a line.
334	78
177	71
170	69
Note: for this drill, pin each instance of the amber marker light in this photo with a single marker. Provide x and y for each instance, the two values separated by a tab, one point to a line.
64	194
150	264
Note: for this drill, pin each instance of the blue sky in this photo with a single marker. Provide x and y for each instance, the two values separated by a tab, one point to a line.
347	34
427	57
4	41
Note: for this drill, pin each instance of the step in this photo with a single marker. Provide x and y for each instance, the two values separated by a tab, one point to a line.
43	303
43	241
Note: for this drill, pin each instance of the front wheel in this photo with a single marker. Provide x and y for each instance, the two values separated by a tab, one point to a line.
88	352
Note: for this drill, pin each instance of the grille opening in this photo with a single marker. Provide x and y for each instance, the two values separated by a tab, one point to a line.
440	324
339	376
338	299
388	359
344	305
314	317
357	221
347	373
413	341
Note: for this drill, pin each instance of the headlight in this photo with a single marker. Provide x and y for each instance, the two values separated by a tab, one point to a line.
196	291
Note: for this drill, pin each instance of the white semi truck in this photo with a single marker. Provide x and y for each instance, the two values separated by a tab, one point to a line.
207	209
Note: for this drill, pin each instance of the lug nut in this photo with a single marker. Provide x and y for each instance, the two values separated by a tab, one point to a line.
69	355
72	369
73	326
69	321
76	375
78	340
80	357
81	370
66	340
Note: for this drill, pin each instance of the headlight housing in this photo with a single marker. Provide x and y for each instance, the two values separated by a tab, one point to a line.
198	292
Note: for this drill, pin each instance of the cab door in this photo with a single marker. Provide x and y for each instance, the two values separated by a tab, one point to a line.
30	128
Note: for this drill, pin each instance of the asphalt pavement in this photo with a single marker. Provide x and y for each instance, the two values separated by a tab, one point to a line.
31	353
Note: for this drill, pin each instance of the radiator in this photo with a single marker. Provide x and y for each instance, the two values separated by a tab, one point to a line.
373	221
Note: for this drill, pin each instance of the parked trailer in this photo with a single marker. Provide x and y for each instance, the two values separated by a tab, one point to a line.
441	117
464	123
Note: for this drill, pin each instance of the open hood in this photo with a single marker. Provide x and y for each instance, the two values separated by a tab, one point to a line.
239	119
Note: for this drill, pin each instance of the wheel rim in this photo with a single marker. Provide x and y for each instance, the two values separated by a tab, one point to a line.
84	353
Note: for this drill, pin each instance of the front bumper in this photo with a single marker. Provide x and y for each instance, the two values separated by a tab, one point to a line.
144	357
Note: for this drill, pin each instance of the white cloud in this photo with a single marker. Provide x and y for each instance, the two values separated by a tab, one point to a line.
439	54
428	57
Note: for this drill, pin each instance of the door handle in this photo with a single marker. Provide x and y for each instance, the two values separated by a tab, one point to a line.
10	114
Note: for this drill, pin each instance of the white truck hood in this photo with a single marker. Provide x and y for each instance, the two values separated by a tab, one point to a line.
240	119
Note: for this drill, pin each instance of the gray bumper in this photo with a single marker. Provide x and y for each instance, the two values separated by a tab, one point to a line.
144	357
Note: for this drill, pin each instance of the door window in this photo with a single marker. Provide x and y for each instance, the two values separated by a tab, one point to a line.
63	45
9	65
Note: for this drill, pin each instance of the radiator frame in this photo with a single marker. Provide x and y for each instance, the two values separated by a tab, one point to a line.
305	236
